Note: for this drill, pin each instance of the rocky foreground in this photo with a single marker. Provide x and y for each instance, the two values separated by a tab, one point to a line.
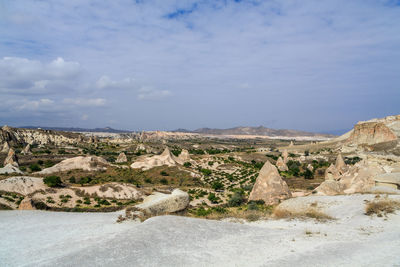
350	238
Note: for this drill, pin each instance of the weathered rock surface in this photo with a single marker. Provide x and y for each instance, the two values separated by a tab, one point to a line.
11	158
269	186
160	203
285	156
183	157
27	150
26	204
388	179
5	148
121	158
281	165
89	163
9	169
146	163
23	185
334	172
112	190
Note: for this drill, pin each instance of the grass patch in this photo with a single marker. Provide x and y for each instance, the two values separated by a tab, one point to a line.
381	208
311	213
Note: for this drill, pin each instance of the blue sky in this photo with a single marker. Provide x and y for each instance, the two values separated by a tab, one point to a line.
310	65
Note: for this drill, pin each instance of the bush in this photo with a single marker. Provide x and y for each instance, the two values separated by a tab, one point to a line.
85	180
203	212
72	180
164	173
187	164
213	198
206	172
236	199
217	186
308	174
52	181
148	181
35	167
164	181
48	164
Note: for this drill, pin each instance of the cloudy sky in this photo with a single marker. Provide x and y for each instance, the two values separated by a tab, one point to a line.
310	65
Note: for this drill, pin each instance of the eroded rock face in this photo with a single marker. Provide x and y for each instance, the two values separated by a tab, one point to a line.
269	186
371	133
159	203
90	163
183	157
121	158
166	158
27	150
9	169
11	158
6	147
285	156
26	204
281	165
112	190
23	185
334	172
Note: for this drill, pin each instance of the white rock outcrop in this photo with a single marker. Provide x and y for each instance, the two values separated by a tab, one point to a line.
269	186
23	185
121	158
10	169
160	203
89	163
146	163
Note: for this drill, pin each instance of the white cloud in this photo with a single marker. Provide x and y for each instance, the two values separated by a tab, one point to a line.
35	105
148	93
104	82
85	102
25	76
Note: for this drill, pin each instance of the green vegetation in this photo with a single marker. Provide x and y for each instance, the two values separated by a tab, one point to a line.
52	181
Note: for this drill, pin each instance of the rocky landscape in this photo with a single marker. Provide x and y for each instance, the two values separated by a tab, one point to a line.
312	199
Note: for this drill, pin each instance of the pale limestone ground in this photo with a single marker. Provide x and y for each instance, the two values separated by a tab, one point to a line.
37	238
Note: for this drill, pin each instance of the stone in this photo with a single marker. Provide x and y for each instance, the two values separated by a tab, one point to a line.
160	203
11	158
329	188
23	185
6	147
388	179
89	163
122	158
332	173
310	167
340	164
281	165
26	204
285	156
10	169
269	186
146	163
27	150
183	157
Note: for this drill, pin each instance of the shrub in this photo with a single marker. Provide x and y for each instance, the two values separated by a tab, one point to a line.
72	180
203	212
213	198
85	180
48	164
187	164
164	173
148	180
382	207
40	162
308	174
217	185
52	181
206	172
236	199
164	181
35	167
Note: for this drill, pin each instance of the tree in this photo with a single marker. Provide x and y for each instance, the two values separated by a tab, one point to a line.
52	181
217	186
308	174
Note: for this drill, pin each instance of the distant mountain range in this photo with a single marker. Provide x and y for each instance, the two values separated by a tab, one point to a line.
261	130
74	129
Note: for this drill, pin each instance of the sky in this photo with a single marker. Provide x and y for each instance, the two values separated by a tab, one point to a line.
161	65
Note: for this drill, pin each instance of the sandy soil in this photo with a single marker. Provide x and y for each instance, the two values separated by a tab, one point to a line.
36	238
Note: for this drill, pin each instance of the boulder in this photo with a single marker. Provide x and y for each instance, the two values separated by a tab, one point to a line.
160	203
121	158
269	186
9	169
11	158
89	163
329	188
281	165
